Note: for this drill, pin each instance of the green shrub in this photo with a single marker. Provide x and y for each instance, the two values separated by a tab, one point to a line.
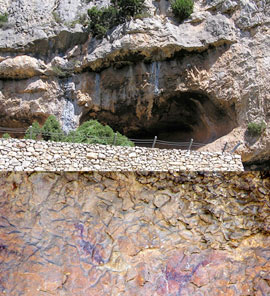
101	20
128	8
3	19
59	72
256	129
33	132
142	15
104	19
123	141
6	136
51	130
93	132
90	132
182	9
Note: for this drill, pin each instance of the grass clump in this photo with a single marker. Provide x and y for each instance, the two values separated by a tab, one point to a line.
59	72
255	129
142	15
3	19
57	17
82	19
6	136
182	9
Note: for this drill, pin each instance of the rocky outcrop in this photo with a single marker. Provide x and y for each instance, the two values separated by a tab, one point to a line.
205	78
134	234
21	67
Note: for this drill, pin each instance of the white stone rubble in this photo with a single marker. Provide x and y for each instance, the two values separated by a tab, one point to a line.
30	155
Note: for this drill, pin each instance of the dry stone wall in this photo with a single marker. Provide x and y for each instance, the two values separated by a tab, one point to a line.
134	234
28	155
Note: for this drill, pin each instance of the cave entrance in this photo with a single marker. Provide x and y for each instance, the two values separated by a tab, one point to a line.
177	117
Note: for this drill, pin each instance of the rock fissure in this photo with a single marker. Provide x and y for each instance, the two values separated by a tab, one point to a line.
144	255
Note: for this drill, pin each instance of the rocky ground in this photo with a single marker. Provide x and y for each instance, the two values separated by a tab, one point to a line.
134	234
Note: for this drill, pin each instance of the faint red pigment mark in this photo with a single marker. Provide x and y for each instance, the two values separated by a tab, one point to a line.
88	247
14	186
175	277
180	278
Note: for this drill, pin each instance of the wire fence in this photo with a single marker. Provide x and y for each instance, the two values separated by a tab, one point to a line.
149	143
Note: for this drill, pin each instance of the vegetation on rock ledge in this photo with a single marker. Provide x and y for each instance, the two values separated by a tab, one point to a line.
105	18
255	129
93	132
90	132
182	9
3	19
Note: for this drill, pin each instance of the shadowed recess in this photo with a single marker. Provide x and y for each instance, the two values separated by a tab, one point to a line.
179	116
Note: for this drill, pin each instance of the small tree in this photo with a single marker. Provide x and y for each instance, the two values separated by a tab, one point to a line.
51	130
33	132
6	136
93	132
182	9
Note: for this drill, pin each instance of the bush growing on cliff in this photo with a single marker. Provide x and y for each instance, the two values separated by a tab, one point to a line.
128	8
182	9
90	132
3	19
101	20
51	130
105	18
255	129
93	132
33	132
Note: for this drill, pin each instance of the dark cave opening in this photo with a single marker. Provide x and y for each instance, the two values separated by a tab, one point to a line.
176	117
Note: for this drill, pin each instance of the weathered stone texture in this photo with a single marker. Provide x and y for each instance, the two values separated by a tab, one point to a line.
134	234
30	155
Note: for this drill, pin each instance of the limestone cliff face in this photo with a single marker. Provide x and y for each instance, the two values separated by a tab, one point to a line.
205	78
137	234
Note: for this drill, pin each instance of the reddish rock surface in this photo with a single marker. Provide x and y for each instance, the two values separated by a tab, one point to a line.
134	234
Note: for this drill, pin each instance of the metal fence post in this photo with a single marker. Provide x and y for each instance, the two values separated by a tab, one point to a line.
31	132
239	143
224	148
190	144
154	142
114	138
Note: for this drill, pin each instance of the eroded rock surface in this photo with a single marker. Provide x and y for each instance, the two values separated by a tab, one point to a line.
205	78
134	234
